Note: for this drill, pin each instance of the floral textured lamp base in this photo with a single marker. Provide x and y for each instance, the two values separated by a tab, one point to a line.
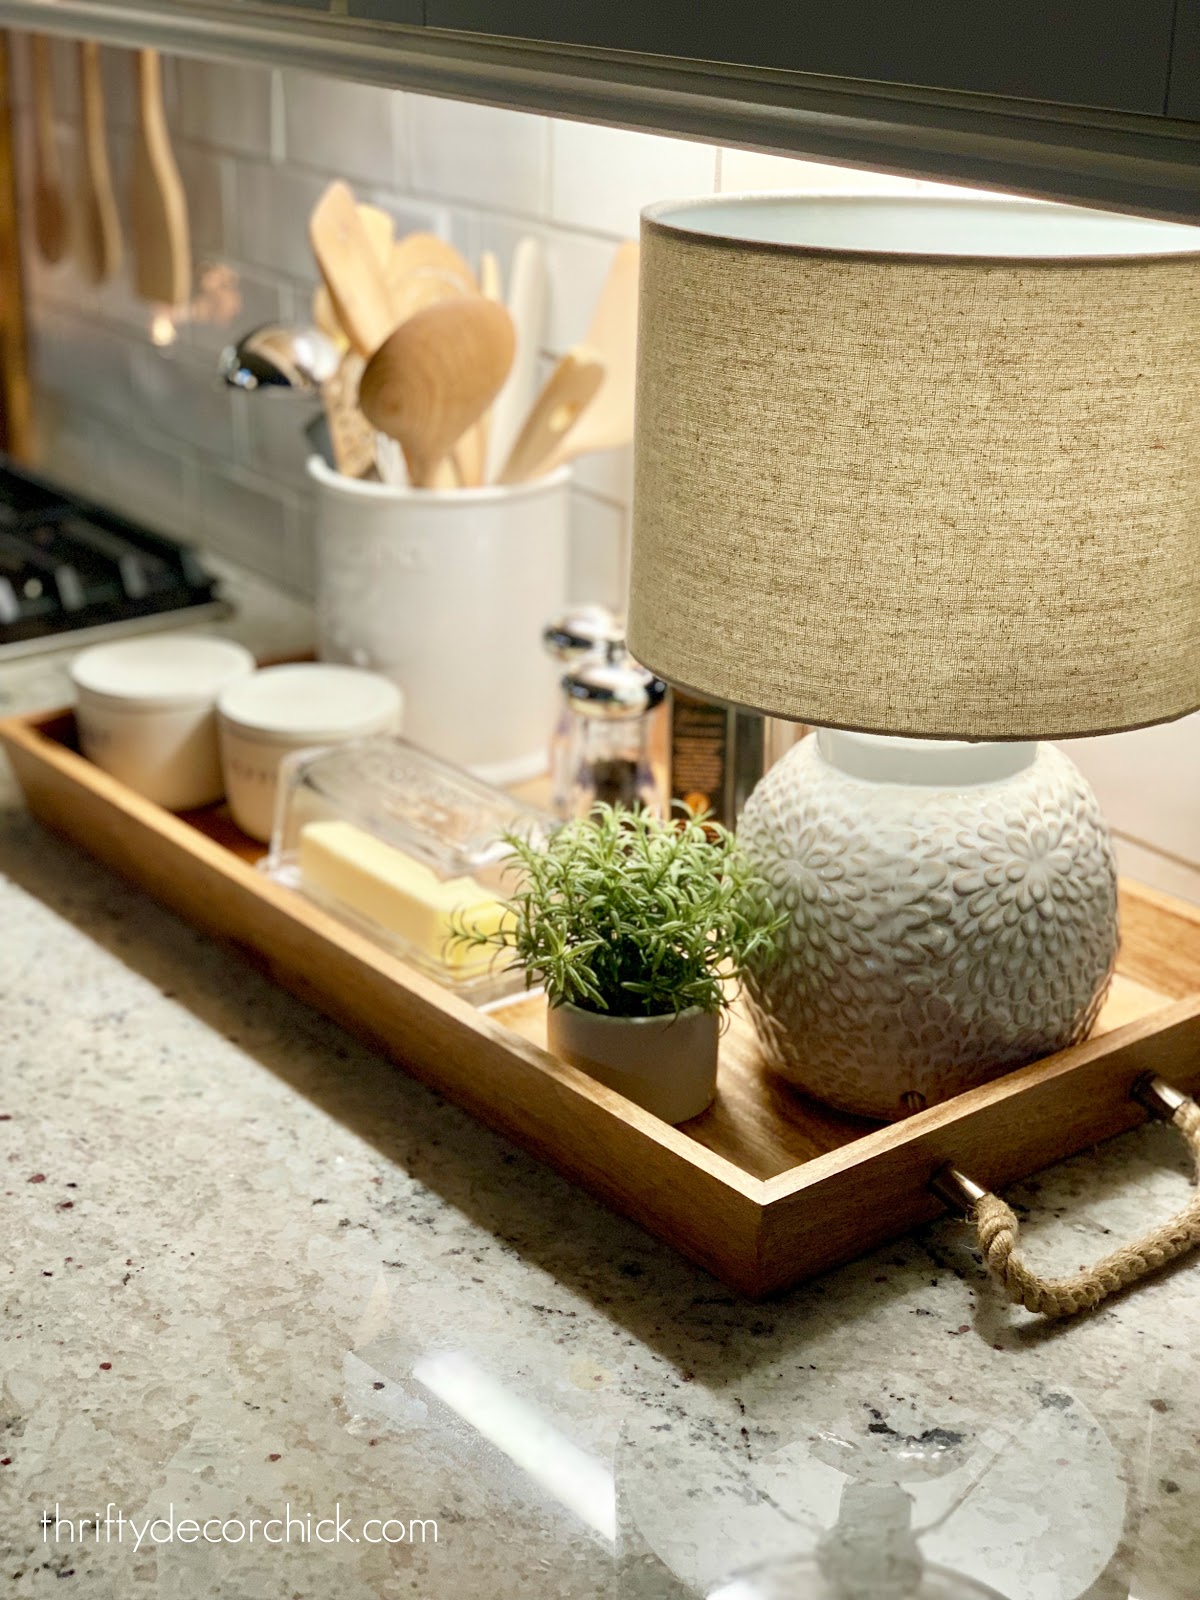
953	915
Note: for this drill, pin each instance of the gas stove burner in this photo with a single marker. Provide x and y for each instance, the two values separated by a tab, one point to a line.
70	570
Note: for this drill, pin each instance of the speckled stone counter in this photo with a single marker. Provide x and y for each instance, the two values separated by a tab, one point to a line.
251	1271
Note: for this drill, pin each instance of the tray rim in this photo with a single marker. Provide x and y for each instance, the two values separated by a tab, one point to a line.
754	1221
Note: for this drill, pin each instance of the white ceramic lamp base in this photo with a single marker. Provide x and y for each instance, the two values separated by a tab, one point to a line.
953	915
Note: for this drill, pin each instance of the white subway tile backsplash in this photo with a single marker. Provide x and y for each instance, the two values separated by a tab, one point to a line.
271	226
243	517
180	394
479	154
597	569
84	359
275	437
146	480
226	106
206	182
607	474
230	300
576	267
746	171
602	177
1148	783
345	129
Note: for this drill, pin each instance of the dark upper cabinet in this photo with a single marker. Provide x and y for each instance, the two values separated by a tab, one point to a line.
1184	97
1113	54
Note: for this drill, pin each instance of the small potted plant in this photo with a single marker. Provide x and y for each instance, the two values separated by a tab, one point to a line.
640	930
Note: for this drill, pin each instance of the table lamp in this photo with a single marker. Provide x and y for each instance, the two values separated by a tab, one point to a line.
926	475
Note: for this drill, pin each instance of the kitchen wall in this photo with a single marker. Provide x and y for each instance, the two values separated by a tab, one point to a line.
147	428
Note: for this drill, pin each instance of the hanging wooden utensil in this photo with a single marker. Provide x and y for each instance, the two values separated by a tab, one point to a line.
435	376
98	248
567	393
608	420
351	269
160	240
49	205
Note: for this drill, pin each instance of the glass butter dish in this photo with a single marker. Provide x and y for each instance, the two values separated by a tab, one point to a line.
404	847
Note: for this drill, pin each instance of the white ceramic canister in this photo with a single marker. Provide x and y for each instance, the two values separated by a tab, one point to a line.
447	592
290	708
145	712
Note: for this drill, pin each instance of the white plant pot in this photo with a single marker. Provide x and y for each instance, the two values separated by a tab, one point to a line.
446	593
952	915
666	1064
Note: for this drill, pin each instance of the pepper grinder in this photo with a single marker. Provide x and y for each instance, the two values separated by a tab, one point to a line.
611	701
567	639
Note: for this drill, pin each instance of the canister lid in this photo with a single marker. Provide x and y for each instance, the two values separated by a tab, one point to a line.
162	671
311	701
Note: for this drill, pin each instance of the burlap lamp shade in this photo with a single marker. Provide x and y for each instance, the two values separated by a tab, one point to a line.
925	474
920	467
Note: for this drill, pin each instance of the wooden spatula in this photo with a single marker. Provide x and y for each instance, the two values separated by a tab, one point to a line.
351	270
435	376
608	421
98	228
425	255
565	397
49	206
160	239
381	233
527	307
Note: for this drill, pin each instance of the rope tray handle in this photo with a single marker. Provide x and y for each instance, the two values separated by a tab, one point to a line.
999	1232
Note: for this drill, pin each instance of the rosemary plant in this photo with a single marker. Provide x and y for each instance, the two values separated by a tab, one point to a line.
624	913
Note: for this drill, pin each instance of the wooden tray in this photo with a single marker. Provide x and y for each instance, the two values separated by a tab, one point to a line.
765	1189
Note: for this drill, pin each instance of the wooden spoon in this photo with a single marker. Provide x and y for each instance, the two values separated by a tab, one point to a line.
608	420
566	394
351	270
435	376
470	455
98	248
49	207
160	238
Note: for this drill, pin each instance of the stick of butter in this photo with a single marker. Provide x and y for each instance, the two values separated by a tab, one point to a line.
402	896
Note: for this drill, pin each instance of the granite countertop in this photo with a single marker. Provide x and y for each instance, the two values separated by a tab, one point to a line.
248	1265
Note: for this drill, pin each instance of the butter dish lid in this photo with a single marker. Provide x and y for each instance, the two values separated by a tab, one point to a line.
408	798
161	670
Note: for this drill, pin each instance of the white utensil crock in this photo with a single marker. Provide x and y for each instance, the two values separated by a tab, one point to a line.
447	592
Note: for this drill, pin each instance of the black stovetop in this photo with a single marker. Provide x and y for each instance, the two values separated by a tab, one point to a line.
68	568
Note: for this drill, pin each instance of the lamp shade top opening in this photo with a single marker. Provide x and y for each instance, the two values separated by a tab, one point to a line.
920	468
980	230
